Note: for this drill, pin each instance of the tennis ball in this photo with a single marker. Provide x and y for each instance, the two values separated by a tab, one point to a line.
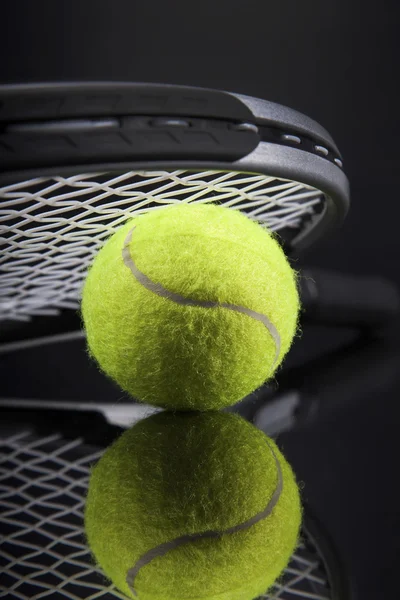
190	307
192	505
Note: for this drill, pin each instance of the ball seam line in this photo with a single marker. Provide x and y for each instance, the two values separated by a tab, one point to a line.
165	547
158	289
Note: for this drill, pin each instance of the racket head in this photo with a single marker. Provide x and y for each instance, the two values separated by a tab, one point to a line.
78	160
45	475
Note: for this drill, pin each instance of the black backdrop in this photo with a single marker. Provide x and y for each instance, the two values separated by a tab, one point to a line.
337	62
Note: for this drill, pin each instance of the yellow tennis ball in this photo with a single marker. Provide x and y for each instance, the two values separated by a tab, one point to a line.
190	307
193	506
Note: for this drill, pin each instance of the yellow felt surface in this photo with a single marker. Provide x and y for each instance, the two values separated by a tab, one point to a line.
190	357
179	473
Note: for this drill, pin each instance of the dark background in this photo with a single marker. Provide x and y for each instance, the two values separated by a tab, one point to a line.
338	62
